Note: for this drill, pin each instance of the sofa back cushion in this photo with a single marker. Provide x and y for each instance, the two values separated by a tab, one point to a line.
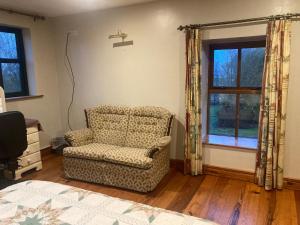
109	124
146	125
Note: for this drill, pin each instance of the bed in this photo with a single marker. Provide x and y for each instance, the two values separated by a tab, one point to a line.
42	202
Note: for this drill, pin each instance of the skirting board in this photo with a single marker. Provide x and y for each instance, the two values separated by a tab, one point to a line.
292	184
46	151
228	173
178	164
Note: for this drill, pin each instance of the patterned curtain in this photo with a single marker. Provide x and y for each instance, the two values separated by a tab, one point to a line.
269	171
193	142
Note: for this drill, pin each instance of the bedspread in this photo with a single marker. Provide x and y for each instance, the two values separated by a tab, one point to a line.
42	202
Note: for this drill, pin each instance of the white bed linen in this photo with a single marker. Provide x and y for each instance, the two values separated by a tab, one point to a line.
42	202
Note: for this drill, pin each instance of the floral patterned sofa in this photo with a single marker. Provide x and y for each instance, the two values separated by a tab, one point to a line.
122	146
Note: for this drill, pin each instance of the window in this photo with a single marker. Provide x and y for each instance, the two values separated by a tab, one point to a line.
13	76
235	80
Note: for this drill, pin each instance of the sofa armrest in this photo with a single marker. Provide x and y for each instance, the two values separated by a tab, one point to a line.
161	144
79	137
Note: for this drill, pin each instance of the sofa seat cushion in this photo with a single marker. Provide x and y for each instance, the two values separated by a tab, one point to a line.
134	157
94	151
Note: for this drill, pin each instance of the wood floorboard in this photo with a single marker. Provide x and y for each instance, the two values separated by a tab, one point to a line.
271	209
297	199
223	200
169	192
254	205
234	199
285	202
185	194
199	205
217	201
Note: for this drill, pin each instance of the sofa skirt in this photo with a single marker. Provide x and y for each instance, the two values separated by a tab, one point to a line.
142	180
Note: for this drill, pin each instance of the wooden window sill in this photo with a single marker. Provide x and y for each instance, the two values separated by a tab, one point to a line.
225	142
21	98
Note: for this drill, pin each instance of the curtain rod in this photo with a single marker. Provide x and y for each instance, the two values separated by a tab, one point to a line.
257	19
35	17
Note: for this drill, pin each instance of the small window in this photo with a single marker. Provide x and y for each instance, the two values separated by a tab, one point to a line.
13	77
234	90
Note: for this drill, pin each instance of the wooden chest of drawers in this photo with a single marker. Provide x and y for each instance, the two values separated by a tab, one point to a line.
31	158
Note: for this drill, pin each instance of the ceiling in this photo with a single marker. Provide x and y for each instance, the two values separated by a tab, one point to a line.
53	8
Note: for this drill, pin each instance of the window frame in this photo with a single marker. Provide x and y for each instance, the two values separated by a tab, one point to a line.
20	60
238	90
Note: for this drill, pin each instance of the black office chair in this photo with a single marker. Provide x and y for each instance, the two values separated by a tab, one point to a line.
13	141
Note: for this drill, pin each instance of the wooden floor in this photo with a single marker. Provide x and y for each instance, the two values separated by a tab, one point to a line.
225	201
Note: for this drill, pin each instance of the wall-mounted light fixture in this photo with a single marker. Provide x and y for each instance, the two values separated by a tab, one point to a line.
123	42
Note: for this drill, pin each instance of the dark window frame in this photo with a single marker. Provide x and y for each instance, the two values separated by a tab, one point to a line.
238	90
20	60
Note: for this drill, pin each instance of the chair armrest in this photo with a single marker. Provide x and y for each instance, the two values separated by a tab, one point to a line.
161	144
79	137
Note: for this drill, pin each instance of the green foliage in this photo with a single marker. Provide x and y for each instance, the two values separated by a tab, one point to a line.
252	67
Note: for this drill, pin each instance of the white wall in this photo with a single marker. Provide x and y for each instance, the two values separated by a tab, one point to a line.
42	74
152	72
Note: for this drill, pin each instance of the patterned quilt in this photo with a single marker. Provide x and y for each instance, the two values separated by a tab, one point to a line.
41	202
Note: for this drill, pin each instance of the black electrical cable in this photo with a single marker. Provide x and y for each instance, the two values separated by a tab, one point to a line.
70	70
